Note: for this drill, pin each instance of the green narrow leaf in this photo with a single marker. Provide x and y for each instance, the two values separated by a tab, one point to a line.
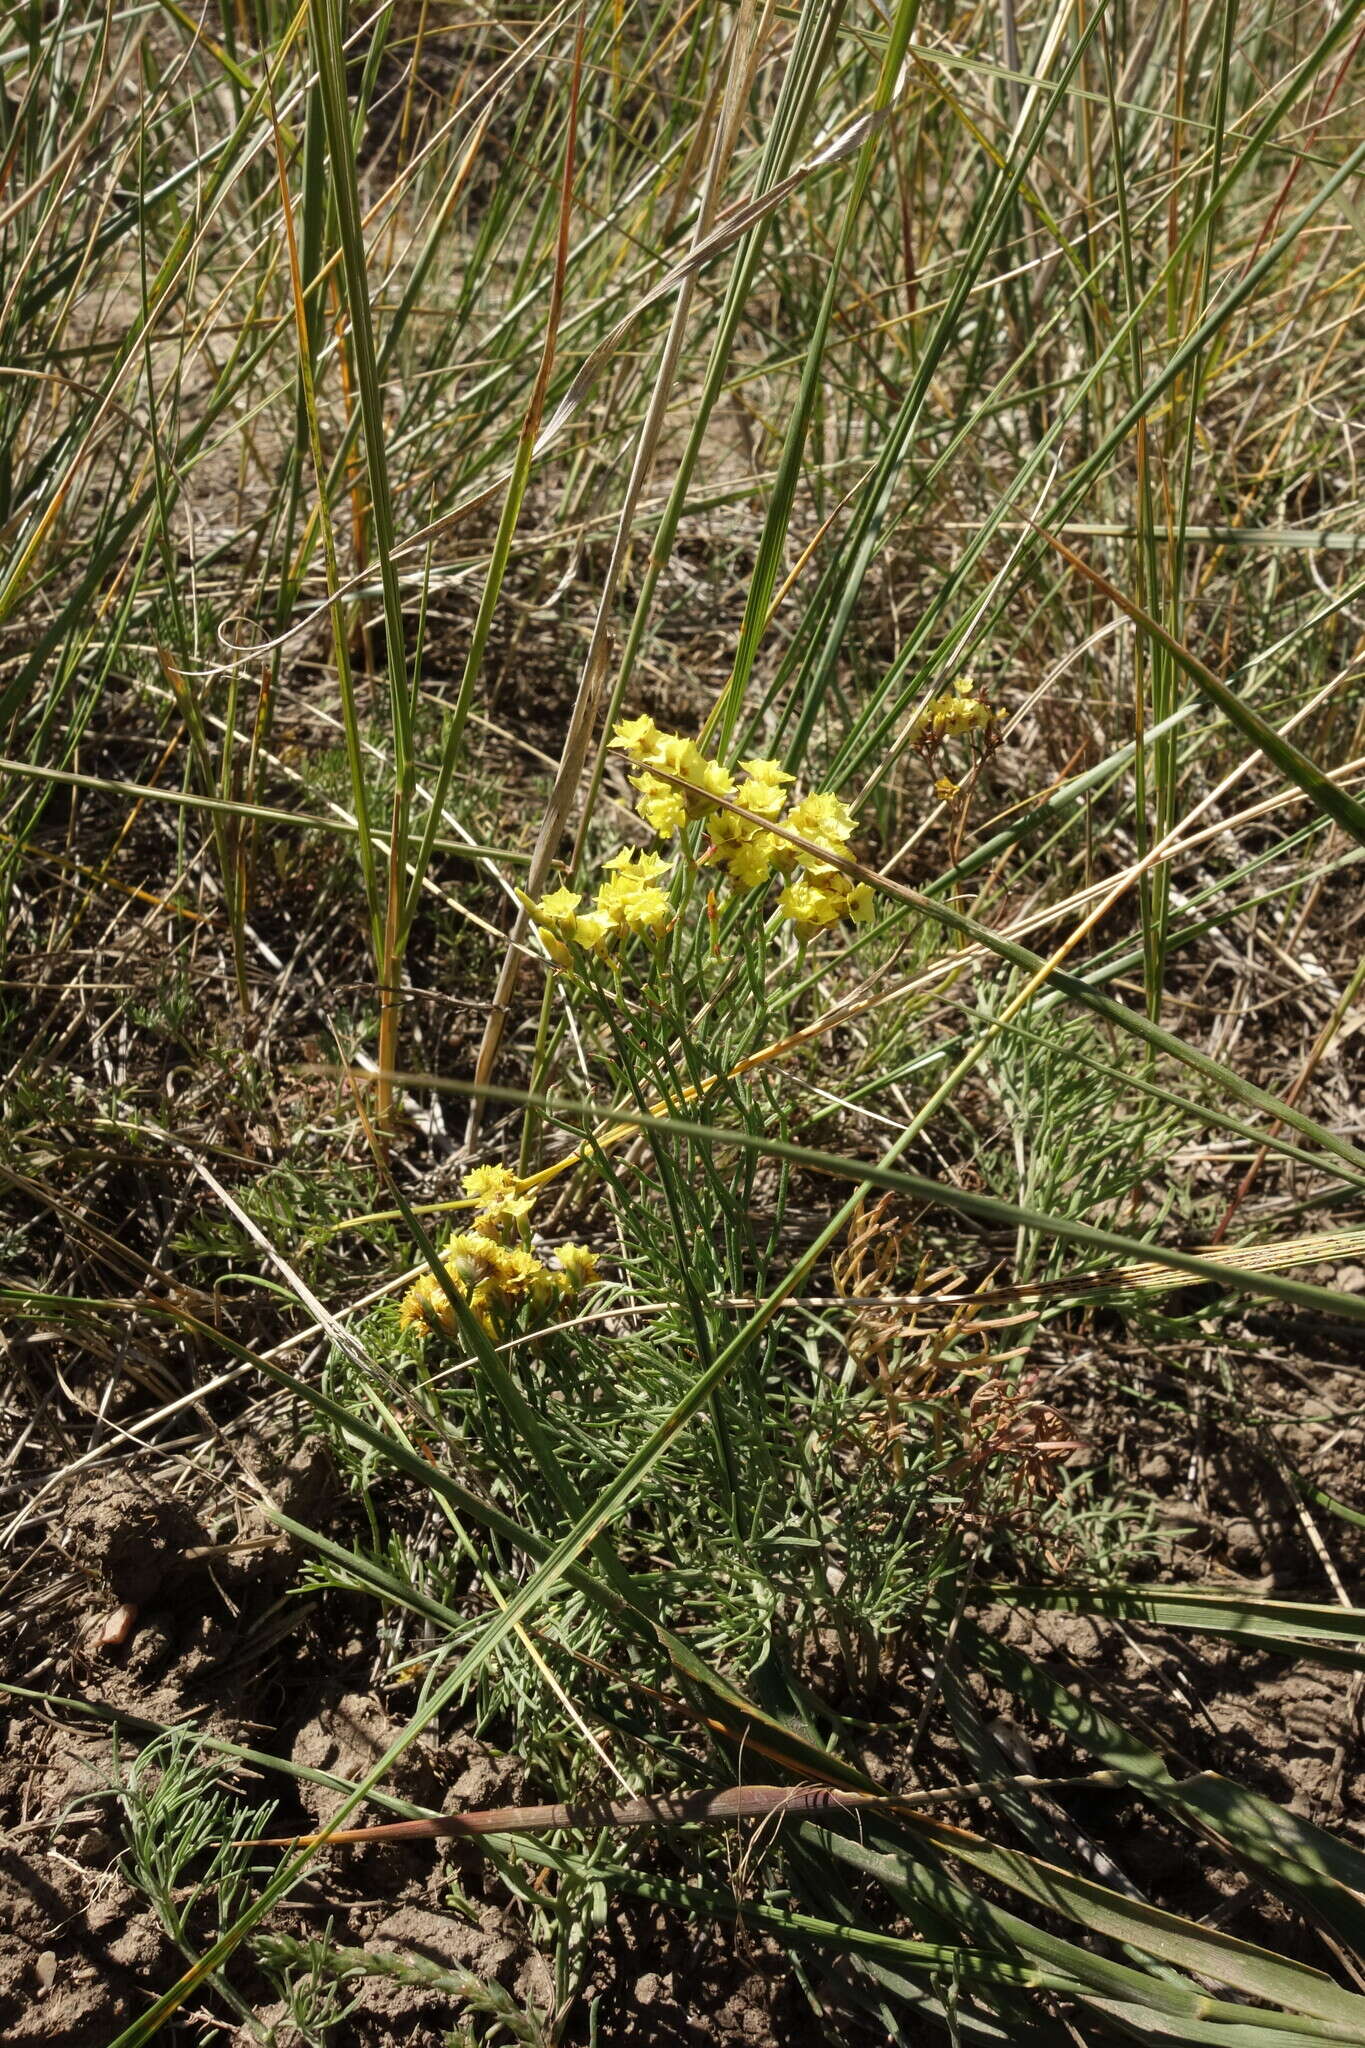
1305	1865
1327	796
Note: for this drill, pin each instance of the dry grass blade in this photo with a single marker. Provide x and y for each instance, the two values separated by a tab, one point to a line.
587	705
736	1803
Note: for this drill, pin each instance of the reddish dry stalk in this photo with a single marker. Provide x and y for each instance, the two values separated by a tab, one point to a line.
736	1802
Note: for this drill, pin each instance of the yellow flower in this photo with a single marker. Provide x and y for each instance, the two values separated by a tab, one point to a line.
663	808
543	1290
491	1183
823	819
760	769
809	906
426	1302
555	910
671	751
764	787
764	797
956	710
745	851
591	932
749	862
495	1281
513	1268
579	1266
613	901
636	737
499	1219
500	1206
707	777
816	900
648	911
468	1257
554	919
639	862
484	1304
412	1308
630	899
557	920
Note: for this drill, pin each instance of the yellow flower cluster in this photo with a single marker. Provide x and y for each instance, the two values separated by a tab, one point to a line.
663	806
956	710
490	1269
816	894
630	900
